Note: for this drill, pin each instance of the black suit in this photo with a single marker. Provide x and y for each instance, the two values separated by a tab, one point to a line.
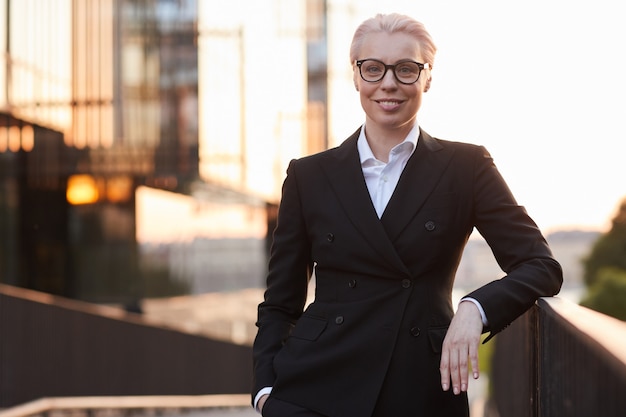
371	341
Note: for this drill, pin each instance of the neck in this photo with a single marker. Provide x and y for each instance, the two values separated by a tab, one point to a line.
381	141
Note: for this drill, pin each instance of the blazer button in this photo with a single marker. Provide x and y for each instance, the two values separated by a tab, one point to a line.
429	225
339	320
406	283
330	237
352	283
415	331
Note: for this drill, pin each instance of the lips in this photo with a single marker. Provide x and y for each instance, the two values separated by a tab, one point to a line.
389	104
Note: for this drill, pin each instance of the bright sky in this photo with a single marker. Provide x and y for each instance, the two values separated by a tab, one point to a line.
542	85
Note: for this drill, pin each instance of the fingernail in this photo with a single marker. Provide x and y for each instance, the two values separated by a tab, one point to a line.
444	386
475	375
456	390
464	387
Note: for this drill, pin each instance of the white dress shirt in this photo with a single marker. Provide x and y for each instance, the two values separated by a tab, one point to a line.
381	178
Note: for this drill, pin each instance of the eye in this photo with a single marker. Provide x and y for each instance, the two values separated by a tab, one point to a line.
407	69
373	68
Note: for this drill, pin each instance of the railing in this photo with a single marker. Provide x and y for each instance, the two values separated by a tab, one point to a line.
557	360
560	360
125	406
55	347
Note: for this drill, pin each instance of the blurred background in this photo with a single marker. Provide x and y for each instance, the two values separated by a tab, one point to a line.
143	143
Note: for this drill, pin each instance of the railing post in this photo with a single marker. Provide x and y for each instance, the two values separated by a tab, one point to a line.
514	371
536	358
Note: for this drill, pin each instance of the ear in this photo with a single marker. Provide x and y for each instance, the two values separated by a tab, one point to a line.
427	85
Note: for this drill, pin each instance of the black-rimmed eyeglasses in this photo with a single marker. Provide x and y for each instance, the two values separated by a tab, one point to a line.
406	72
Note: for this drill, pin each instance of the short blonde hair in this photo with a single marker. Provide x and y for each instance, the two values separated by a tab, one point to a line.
394	23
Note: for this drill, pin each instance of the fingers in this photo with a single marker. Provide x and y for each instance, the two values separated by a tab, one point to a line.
457	358
473	355
454	369
461	385
444	370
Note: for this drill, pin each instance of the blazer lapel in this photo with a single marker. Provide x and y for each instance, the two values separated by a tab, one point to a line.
344	173
419	178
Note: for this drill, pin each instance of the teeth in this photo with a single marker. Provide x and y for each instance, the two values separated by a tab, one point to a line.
388	103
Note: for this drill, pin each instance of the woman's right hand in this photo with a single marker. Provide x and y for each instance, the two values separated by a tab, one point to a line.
261	402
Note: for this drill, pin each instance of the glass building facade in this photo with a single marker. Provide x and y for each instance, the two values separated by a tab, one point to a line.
97	98
143	143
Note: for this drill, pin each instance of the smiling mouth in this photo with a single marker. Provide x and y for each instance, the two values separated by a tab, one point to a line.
388	102
389	105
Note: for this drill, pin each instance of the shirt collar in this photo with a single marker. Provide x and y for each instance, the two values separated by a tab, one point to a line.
365	152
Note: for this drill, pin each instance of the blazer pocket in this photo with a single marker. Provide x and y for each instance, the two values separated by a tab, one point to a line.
436	336
309	328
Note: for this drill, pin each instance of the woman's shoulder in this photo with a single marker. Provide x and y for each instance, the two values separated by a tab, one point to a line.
462	147
454	144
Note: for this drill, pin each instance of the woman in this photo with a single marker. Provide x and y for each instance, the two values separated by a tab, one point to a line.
383	220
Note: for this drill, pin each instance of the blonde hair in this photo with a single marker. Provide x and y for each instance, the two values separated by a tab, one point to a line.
394	23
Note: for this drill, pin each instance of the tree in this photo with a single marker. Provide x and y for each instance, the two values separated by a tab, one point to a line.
608	294
605	270
609	250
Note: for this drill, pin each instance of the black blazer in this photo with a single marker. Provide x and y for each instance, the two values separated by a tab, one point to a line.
383	286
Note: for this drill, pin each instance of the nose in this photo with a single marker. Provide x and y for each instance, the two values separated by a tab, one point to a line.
389	80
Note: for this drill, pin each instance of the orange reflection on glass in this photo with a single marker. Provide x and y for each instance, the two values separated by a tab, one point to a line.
28	138
14	139
82	189
4	138
119	189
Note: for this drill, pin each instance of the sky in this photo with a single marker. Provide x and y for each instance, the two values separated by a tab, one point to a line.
542	85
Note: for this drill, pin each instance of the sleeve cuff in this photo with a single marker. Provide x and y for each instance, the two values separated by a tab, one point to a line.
258	396
483	316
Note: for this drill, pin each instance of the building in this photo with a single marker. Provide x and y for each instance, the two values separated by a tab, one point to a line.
113	109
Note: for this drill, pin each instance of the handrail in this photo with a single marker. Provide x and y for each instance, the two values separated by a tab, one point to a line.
560	359
100	310
51	347
608	332
45	405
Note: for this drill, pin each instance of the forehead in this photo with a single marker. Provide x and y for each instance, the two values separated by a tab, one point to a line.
390	47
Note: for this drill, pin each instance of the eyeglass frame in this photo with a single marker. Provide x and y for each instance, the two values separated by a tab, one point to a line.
359	63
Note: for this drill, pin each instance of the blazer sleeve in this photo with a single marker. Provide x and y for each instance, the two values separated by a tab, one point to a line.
289	271
518	246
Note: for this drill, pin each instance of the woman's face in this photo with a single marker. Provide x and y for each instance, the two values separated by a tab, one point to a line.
389	104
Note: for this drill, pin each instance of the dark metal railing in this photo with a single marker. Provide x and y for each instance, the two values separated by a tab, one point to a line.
55	347
560	359
130	406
